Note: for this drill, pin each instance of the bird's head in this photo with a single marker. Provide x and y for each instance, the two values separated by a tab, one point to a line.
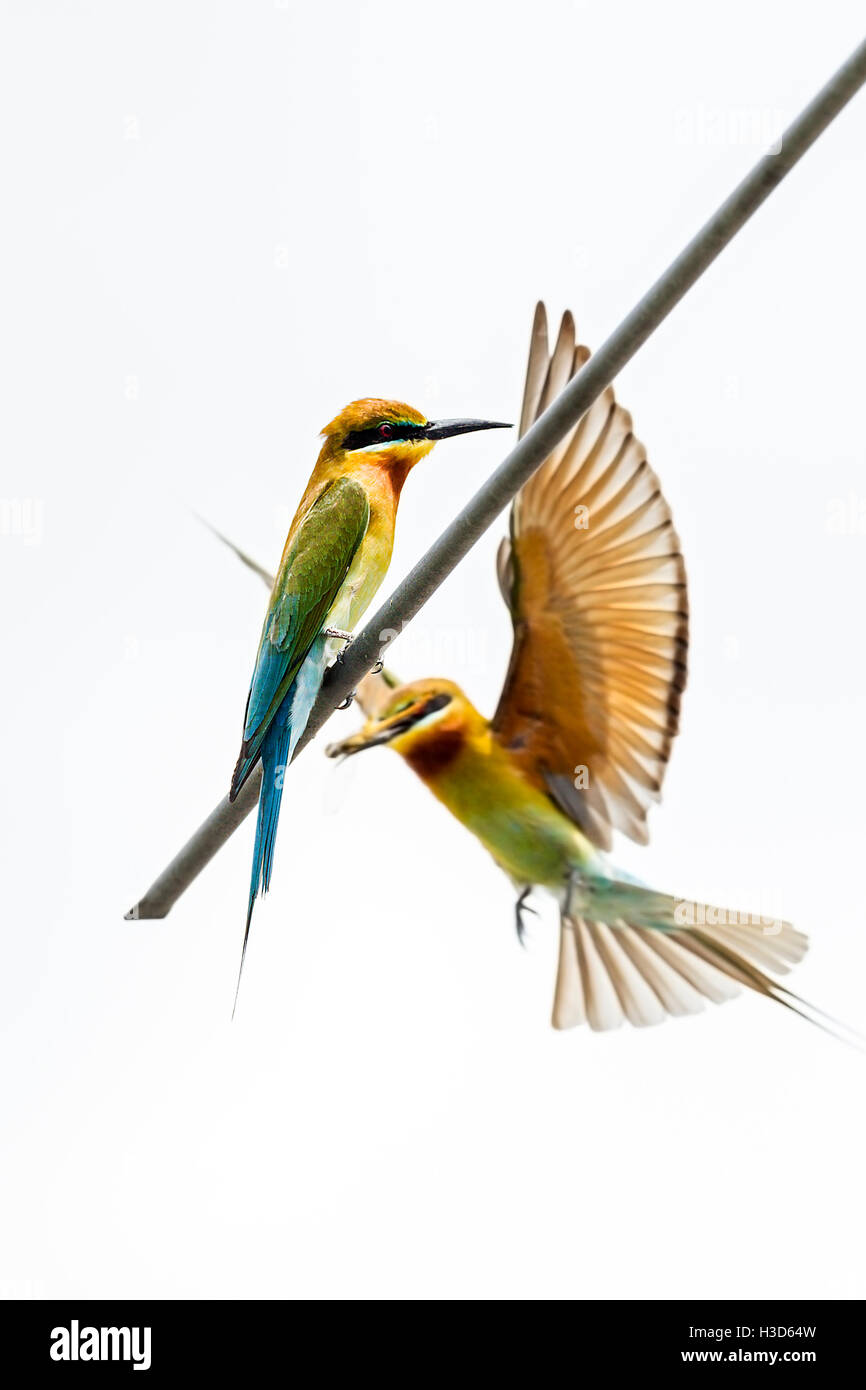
389	434
428	722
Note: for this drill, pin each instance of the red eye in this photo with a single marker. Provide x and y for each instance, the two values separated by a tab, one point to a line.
386	432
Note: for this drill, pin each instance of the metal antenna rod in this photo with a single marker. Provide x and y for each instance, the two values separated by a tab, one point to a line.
527	455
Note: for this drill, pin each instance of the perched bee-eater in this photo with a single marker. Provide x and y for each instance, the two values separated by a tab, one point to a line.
578	746
336	555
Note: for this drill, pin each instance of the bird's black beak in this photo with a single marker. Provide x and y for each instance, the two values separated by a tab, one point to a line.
444	429
359	742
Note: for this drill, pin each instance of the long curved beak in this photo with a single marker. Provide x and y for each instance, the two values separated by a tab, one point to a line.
444	429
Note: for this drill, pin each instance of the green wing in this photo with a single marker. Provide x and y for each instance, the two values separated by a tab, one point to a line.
306	586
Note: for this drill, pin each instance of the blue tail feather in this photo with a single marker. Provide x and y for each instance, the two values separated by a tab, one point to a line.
277	750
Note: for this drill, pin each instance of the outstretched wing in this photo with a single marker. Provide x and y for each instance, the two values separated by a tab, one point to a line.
308	581
596	585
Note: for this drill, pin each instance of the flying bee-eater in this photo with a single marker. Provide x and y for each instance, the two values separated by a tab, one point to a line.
336	555
595	581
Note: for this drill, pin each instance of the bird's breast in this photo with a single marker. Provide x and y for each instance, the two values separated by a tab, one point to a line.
366	572
526	833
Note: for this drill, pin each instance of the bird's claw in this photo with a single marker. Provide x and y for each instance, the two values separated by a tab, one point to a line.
379	666
349	700
519	909
341	636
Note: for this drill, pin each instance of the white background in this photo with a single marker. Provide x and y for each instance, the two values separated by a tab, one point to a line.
221	223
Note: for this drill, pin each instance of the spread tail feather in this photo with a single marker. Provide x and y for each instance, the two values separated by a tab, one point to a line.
629	954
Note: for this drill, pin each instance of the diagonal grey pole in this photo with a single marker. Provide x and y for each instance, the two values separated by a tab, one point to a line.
521	463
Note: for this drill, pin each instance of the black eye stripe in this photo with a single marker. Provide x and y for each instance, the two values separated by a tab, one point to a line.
414	716
437	702
360	439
